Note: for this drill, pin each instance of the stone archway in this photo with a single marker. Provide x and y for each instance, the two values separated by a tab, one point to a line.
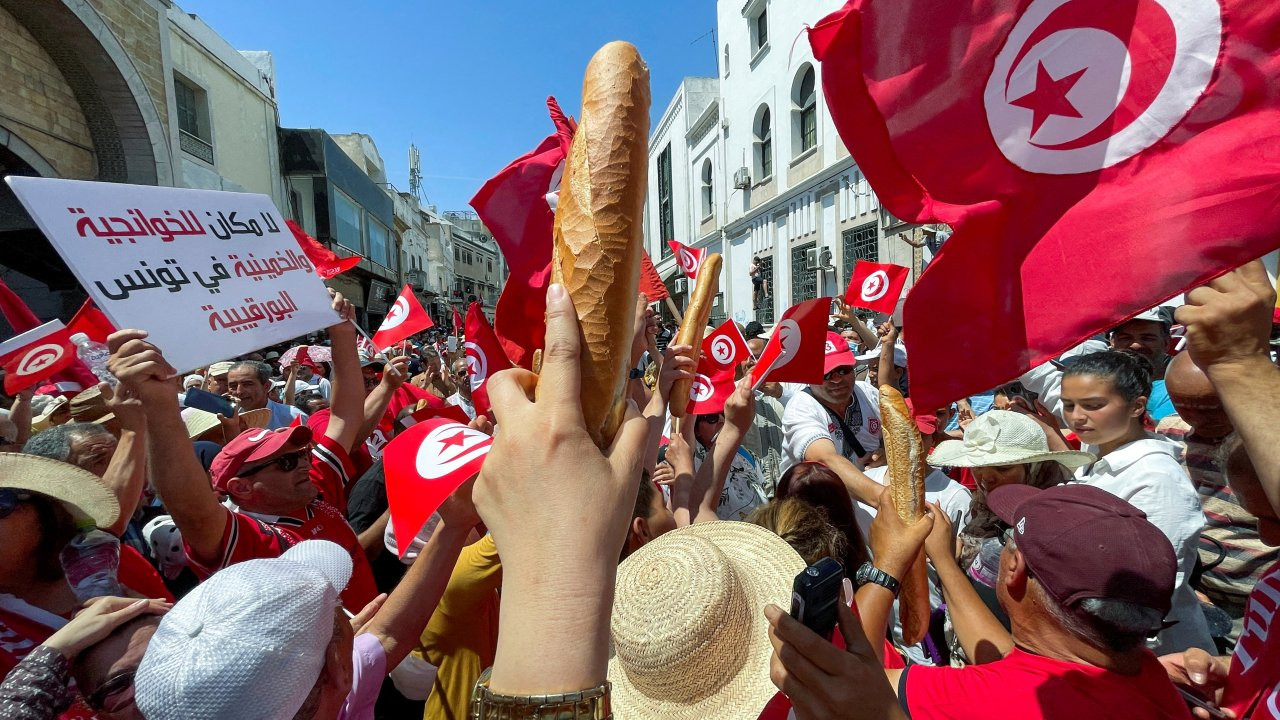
130	142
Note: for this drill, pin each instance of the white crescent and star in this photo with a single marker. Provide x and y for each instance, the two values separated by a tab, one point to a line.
39	357
447	448
398	313
875	286
477	365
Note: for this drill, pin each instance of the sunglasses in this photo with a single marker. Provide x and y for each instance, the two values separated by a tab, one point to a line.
286	462
9	501
114	695
713	419
839	372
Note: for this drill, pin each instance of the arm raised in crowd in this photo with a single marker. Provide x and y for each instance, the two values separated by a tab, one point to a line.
862	488
375	405
346	409
894	547
127	472
1228	325
177	476
708	484
558	509
981	635
675	366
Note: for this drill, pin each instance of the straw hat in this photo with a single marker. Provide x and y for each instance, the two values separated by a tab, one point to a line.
690	639
82	493
90	406
44	410
259	418
199	422
1002	437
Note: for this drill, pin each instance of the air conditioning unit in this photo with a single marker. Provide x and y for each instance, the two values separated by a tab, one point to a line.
811	259
682	285
742	178
824	258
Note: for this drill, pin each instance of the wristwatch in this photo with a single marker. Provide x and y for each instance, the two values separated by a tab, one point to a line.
592	704
869	573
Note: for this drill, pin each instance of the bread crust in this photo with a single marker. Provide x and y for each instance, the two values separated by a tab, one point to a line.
597	235
694	324
904	451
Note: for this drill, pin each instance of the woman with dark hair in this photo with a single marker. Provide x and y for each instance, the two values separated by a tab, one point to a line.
1104	401
819	486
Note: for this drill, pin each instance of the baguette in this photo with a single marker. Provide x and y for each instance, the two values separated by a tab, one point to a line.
598	227
904	451
693	325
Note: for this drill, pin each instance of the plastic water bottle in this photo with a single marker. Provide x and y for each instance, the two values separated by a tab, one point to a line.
94	354
91	562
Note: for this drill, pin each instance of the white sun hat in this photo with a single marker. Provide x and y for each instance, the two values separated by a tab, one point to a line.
690	639
1002	437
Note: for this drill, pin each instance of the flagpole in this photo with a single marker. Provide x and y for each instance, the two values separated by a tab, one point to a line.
765	374
380	353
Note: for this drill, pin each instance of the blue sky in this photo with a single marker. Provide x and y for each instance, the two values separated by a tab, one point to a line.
464	81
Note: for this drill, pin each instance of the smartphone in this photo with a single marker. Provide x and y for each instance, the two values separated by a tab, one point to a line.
205	400
815	593
1195	702
1017	390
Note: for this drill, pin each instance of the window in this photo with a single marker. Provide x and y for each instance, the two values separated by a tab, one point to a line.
804	282
764	144
491	266
860	243
759	31
379	243
726	60
194	136
457	254
349	217
764	300
708	190
805	99
666	213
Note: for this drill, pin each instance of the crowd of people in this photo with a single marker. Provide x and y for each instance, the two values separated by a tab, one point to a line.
1101	535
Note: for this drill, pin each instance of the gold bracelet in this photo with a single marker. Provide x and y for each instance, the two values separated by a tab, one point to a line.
590	704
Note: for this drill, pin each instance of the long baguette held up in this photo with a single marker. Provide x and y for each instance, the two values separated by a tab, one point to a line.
904	450
597	236
694	324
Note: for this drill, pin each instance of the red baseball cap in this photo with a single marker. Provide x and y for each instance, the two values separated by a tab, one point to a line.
251	446
838	353
926	424
1083	542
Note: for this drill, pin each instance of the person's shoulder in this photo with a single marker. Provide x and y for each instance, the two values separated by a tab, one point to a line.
800	405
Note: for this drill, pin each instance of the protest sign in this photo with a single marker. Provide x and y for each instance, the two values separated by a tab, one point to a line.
209	274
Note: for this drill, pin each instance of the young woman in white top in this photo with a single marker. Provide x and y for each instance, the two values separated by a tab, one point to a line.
1104	401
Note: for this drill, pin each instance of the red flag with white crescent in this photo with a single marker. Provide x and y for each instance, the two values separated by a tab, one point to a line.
405	318
327	263
1153	119
796	349
689	259
35	355
484	356
725	346
712	385
876	286
424	465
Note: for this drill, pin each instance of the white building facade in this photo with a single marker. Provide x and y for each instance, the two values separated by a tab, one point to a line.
757	170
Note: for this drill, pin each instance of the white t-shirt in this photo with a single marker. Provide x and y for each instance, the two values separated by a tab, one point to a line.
1146	473
954	500
743	488
806	421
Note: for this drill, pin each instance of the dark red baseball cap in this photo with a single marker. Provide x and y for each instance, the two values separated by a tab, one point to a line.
1081	542
252	446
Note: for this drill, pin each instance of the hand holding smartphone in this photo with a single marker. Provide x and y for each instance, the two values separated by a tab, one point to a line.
814	595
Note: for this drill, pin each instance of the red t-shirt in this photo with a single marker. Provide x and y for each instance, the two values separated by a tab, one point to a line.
1253	687
254	535
1027	686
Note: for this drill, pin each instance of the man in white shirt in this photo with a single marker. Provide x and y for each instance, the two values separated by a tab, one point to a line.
835	422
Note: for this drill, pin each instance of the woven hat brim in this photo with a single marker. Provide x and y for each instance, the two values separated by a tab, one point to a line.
256	419
766	566
82	493
199	422
954	453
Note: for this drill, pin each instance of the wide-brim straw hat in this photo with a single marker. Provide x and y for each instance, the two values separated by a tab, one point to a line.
1002	437
90	406
42	420
82	493
689	635
199	421
256	419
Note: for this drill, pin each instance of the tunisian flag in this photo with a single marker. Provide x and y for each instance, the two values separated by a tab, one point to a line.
424	465
518	206
876	286
36	354
725	347
688	258
484	356
406	317
797	349
1097	157
327	263
712	385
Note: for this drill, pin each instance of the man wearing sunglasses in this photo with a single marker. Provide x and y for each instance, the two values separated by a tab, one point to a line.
835	422
280	486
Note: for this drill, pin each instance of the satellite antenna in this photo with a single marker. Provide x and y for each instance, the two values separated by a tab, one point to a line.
415	172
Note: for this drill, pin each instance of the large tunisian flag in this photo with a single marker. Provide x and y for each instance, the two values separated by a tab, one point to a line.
518	206
1095	157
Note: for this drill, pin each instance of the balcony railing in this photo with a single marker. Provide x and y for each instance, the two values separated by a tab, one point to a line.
195	146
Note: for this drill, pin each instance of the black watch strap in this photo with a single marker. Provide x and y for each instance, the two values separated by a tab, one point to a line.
869	573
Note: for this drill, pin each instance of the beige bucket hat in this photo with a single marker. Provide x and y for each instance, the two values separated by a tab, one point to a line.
1003	437
82	493
689	635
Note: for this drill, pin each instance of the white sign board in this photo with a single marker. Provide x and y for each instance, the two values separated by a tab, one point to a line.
210	275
